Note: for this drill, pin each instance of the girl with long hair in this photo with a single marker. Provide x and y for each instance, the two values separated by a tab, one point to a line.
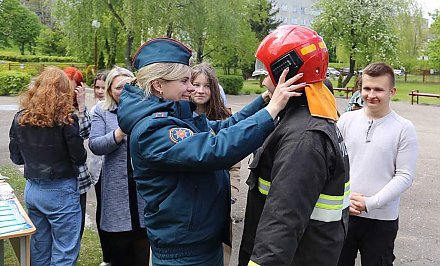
44	137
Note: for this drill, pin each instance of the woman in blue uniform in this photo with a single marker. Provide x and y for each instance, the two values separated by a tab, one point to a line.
180	161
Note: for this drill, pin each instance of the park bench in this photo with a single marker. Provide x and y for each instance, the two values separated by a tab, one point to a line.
418	94
347	91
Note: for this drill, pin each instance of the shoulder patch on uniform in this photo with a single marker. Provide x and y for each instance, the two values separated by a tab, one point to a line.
179	133
160	115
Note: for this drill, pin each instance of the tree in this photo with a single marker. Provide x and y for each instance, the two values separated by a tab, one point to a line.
363	29
206	25
262	17
434	45
51	42
262	21
25	28
412	33
6	7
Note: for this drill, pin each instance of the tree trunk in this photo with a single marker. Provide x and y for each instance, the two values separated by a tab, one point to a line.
110	46
130	39
21	47
200	48
350	75
170	30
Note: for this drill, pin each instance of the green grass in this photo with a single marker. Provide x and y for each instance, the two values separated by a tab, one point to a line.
34	68
252	87
90	247
13	50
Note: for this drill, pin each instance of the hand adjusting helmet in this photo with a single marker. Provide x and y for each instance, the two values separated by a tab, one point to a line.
297	47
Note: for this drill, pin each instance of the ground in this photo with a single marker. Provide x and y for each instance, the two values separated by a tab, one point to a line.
419	235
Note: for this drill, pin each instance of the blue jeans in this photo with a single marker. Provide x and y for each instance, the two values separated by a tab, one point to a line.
54	208
212	258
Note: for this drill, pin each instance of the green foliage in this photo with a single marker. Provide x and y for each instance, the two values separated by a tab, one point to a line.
252	86
217	31
412	33
101	63
25	28
13	82
363	29
434	45
89	74
37	58
231	84
51	42
262	18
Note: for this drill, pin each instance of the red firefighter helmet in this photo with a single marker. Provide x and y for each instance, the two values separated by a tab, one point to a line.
297	47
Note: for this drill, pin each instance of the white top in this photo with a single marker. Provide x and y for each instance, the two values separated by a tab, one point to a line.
382	156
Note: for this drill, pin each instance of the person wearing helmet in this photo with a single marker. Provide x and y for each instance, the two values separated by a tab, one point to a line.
296	212
180	159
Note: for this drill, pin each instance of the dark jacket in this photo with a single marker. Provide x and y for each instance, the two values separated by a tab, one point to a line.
295	214
47	152
179	163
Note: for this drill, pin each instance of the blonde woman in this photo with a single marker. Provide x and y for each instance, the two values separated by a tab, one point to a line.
121	206
179	159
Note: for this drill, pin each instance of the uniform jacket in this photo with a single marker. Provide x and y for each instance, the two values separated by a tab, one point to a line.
298	162
117	215
179	163
47	152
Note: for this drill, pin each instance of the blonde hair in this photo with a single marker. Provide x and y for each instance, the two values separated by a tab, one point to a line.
110	103
166	71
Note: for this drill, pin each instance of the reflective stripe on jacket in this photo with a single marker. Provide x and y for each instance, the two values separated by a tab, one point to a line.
328	208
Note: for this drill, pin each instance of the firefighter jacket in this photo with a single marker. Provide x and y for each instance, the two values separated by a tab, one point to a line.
297	212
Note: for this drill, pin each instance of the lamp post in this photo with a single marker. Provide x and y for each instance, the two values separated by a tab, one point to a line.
96	24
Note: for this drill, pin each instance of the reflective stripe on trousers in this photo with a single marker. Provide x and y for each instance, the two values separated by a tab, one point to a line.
328	208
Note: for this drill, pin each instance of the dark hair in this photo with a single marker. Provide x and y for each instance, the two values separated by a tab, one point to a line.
215	107
328	83
100	76
380	69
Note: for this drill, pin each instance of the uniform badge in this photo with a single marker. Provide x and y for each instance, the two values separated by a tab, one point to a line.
160	114
178	134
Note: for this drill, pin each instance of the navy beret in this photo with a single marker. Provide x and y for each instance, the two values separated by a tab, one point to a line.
161	50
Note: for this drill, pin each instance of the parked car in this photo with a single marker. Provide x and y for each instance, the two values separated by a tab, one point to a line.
333	72
345	71
399	72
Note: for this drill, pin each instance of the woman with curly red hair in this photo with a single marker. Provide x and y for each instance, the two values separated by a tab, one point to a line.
44	137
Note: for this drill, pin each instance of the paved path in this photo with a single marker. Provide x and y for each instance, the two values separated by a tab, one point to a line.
418	241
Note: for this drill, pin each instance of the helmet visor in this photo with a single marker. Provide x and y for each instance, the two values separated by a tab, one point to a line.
260	69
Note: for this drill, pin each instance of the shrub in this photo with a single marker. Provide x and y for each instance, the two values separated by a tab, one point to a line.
231	84
13	82
89	74
37	58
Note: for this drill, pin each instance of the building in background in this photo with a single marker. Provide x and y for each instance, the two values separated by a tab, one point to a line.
299	12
